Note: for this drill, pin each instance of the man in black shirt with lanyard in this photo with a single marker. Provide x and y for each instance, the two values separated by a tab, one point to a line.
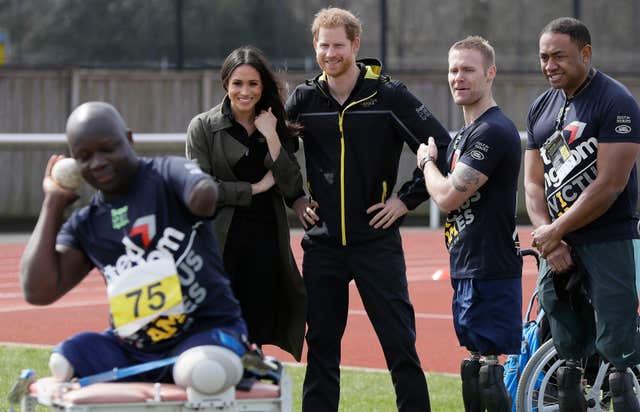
581	191
479	196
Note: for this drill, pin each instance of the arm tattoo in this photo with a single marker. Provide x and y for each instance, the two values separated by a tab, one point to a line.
467	176
458	186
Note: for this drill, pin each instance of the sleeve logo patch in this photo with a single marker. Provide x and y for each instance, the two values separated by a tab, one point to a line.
423	112
482	146
476	154
623	129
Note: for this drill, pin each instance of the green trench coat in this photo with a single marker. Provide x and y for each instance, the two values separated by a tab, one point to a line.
216	151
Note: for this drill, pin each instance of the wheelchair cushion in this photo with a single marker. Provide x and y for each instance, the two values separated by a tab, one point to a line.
131	392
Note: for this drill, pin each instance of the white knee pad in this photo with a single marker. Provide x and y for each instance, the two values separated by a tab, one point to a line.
60	367
208	369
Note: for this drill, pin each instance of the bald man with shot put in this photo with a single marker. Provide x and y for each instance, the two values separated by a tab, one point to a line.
146	229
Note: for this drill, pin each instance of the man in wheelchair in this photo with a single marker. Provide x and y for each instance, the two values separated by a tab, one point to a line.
581	195
147	230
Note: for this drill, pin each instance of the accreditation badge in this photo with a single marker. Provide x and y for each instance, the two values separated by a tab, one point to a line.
558	151
142	293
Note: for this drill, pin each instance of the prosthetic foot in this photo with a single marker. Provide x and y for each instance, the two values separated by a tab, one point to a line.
570	395
623	396
471	396
494	393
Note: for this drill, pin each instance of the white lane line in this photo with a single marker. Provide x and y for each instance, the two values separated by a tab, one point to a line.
418	315
26	308
420	278
85	282
26	345
429	277
10	295
23	308
77	291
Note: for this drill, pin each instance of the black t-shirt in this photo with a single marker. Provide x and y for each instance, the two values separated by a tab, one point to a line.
603	111
124	238
481	235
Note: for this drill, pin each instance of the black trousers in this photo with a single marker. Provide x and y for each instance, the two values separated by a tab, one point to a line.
379	272
252	261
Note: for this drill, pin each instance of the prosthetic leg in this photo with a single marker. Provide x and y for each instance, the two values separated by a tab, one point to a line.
623	397
469	371
570	394
494	393
208	369
60	367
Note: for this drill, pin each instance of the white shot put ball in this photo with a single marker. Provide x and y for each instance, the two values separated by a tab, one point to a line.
66	173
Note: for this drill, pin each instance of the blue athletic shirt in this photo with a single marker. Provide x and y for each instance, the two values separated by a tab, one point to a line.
481	234
602	111
143	225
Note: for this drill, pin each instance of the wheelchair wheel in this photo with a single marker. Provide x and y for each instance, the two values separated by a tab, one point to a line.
538	386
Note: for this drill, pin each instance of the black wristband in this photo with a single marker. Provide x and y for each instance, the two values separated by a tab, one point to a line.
424	162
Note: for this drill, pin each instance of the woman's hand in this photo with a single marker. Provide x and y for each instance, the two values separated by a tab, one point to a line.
266	122
264	184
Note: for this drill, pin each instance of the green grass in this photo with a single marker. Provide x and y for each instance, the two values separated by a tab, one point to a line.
369	391
15	358
372	391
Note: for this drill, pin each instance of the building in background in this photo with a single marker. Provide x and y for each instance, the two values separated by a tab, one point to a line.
132	33
66	52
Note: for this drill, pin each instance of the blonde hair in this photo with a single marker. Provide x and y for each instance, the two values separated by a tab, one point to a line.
336	17
480	44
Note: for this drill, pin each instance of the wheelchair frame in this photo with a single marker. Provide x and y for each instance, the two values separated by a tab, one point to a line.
537	387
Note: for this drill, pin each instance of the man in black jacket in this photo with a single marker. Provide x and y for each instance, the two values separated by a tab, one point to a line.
355	122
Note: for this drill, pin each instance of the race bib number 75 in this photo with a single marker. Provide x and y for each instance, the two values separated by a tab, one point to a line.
144	292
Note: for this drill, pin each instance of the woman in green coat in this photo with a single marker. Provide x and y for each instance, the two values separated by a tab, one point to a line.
245	144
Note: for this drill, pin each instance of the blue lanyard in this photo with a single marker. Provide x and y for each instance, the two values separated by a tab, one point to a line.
116	374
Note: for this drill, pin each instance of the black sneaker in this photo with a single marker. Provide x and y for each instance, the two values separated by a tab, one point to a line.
495	396
570	393
623	395
260	366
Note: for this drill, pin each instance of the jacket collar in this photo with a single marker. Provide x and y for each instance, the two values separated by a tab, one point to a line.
220	117
369	79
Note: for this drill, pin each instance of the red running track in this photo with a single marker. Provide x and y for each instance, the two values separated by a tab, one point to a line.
85	307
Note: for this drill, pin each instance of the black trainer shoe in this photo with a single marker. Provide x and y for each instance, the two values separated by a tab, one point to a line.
570	393
471	395
495	396
623	396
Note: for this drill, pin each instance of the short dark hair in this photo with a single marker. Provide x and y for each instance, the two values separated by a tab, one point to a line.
272	89
574	28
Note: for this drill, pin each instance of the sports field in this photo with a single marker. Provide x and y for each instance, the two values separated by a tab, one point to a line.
85	308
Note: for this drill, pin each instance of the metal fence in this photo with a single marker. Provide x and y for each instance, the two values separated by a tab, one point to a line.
156	101
39	101
23	158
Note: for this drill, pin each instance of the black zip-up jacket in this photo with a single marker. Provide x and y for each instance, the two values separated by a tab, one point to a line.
352	151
